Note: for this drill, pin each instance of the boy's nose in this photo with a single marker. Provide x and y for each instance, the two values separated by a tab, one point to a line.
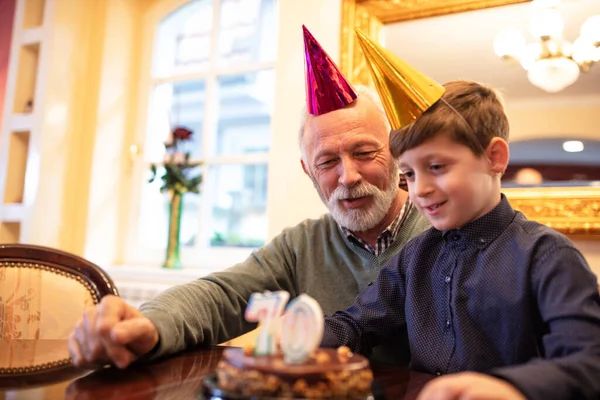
422	187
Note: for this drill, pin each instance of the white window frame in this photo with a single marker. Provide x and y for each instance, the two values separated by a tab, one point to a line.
207	258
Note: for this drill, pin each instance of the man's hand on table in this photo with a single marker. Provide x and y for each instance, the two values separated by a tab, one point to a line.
113	332
469	386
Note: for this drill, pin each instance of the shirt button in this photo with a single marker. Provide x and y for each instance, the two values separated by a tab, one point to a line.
456	238
447	279
447	323
438	373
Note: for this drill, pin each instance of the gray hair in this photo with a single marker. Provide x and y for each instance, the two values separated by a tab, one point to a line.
364	92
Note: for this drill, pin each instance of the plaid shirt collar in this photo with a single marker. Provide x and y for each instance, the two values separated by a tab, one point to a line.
387	237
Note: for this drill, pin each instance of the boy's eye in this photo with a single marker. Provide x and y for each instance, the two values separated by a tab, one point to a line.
437	167
408	174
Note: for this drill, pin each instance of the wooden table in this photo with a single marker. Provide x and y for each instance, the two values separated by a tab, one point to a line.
178	377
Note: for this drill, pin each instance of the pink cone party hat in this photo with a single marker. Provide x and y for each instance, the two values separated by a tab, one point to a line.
326	88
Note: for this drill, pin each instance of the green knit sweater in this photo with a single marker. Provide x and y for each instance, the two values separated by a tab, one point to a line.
313	257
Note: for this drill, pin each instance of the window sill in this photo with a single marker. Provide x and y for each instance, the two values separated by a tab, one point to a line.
155	274
138	284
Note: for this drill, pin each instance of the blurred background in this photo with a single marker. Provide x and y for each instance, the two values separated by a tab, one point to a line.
90	91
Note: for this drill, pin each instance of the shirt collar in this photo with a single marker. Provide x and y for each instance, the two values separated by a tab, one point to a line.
392	228
396	224
485	229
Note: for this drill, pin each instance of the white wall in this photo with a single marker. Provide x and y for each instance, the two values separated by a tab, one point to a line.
111	169
291	196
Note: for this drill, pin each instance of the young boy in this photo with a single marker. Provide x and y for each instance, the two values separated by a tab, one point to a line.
484	289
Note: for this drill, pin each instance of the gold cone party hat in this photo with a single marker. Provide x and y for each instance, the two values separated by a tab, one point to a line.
405	92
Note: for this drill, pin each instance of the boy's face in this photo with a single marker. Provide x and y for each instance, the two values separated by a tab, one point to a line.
449	184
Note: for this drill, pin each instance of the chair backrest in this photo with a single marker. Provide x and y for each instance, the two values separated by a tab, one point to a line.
44	291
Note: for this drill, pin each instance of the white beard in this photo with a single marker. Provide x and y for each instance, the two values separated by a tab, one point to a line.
359	220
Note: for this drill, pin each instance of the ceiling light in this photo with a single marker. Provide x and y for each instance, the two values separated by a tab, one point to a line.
590	30
553	74
552	62
573	146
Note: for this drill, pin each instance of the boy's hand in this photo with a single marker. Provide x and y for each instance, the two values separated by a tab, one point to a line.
469	386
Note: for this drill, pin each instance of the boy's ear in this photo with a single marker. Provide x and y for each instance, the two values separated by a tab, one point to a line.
497	153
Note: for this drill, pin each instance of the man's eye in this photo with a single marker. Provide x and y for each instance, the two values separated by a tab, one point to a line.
365	153
326	163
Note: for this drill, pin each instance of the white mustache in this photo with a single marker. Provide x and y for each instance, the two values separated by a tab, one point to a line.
361	190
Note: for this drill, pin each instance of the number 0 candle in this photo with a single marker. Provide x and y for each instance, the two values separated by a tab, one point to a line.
302	329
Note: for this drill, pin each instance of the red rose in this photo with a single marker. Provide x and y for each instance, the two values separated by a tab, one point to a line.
182	133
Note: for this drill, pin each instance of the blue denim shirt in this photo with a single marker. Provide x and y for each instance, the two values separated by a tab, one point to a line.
502	295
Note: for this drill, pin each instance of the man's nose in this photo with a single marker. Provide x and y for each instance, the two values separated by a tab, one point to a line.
350	173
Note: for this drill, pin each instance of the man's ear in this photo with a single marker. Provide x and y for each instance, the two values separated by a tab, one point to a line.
498	154
304	167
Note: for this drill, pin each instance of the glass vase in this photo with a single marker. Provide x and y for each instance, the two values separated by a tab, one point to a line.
172	260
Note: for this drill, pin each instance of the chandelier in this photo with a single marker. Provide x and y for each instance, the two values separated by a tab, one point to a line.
552	62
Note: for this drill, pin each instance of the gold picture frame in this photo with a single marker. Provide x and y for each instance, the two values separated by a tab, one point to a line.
571	210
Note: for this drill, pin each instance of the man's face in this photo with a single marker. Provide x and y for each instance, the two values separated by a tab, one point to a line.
448	183
349	161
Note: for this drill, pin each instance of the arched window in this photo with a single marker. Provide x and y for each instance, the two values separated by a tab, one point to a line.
212	71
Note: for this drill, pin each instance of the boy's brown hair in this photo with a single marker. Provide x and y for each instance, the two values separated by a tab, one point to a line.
469	112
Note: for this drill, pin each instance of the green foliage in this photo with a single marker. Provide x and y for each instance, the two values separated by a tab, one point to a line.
178	173
177	177
234	240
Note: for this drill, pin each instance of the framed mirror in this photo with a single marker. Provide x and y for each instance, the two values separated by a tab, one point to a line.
454	39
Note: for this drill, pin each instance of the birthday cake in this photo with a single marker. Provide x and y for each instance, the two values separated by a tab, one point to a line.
286	362
327	374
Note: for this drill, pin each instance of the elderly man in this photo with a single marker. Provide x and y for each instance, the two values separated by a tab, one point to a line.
344	142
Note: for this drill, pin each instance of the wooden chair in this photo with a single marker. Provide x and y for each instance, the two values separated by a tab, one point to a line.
43	293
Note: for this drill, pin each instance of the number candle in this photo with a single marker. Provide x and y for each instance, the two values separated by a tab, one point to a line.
302	328
266	309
